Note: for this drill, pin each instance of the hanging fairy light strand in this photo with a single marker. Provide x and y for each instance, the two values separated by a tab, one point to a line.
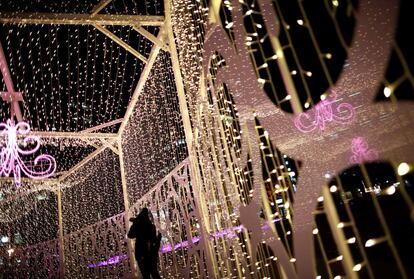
154	137
66	88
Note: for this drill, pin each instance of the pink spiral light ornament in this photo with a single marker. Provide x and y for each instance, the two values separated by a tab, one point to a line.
10	161
325	111
361	152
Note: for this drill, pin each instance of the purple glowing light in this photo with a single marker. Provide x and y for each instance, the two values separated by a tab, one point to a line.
168	247
361	152
110	261
228	233
10	161
325	111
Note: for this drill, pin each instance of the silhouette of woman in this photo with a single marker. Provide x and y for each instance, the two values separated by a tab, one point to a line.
146	244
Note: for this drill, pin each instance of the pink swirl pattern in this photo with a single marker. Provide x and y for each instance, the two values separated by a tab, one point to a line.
361	151
325	111
10	155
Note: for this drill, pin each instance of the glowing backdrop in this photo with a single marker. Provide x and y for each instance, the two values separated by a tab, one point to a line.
299	127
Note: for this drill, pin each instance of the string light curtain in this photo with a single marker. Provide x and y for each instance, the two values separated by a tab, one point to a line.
154	141
92	193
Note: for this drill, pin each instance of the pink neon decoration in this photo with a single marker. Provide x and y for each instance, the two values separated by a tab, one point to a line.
42	167
325	111
361	152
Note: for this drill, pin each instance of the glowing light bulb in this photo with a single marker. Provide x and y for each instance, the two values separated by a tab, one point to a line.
403	169
387	91
229	25
10	251
390	190
351	240
357	267
4	239
370	242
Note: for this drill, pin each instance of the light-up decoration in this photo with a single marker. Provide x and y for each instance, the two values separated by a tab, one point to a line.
403	169
361	152
167	248
10	161
327	110
110	261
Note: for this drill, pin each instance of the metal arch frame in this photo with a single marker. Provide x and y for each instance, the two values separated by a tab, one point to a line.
136	22
99	21
109	140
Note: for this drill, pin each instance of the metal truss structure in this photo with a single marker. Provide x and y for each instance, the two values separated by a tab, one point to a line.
164	41
100	22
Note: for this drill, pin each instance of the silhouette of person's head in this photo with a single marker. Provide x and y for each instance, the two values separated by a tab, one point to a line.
143	216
